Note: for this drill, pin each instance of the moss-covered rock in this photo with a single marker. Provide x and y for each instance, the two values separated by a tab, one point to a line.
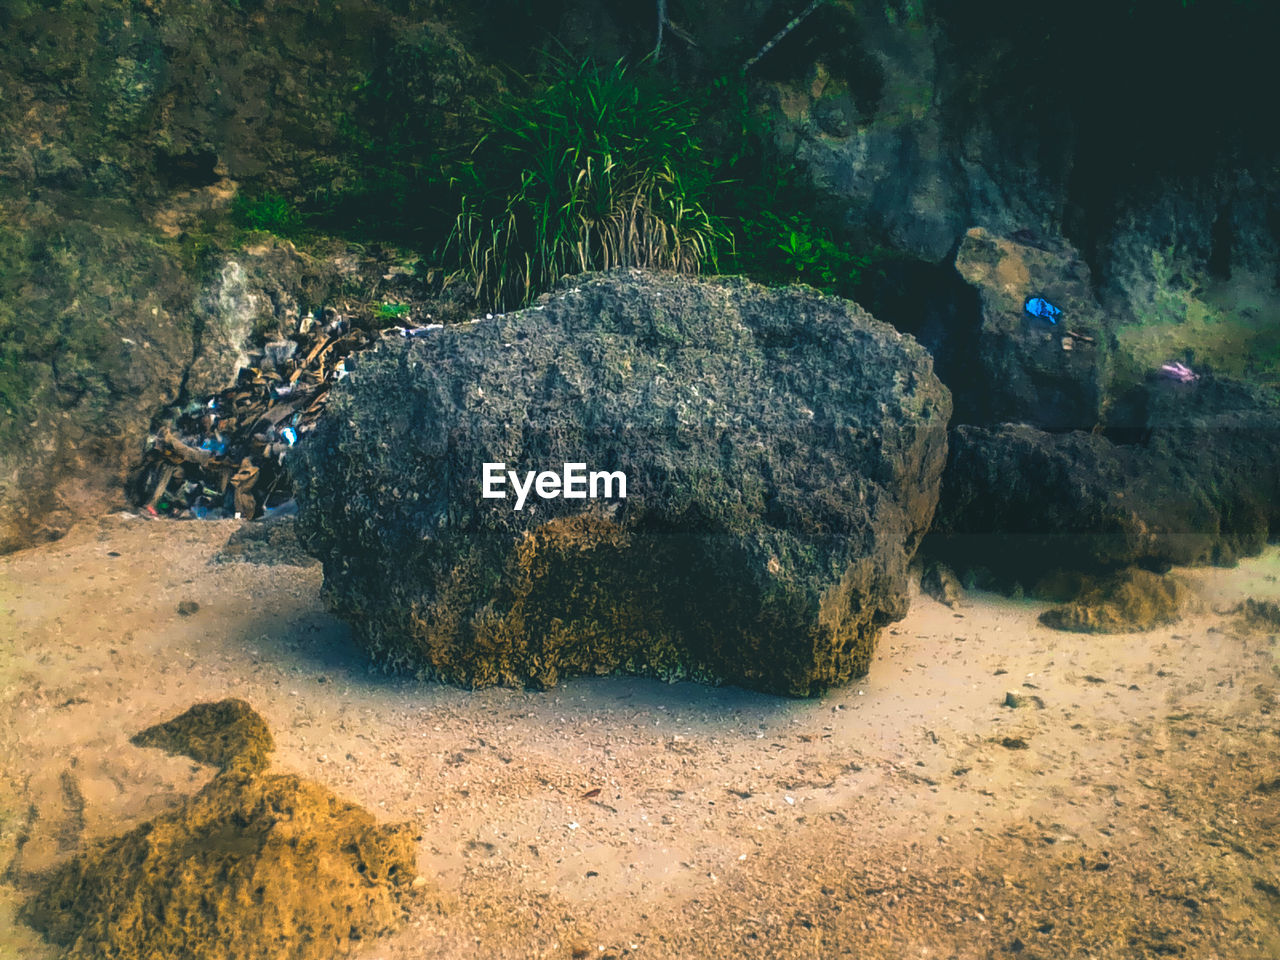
1130	601
782	453
253	867
1262	615
940	582
223	734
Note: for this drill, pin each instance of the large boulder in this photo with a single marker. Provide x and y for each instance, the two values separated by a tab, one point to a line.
782	453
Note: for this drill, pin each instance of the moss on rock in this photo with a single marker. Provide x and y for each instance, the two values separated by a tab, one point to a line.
225	734
253	867
1262	615
1131	601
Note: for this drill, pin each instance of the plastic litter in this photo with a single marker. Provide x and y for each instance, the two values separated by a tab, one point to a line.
215	445
1042	308
279	352
223	454
287	509
1179	372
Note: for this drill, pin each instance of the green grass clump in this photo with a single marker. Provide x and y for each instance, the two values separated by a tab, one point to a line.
269	212
391	311
578	167
587	169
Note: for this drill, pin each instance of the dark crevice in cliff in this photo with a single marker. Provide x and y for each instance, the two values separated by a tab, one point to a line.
186	169
932	303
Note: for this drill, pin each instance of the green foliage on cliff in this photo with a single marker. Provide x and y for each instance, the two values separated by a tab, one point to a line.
783	231
576	167
584	169
268	211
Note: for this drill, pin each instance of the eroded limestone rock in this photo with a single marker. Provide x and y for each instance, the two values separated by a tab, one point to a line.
782	450
255	866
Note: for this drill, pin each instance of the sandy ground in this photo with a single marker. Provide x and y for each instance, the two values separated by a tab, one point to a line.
1128	809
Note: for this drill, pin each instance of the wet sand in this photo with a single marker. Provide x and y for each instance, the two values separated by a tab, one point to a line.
1122	811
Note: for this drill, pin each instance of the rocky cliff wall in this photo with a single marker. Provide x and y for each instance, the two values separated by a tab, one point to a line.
127	130
1128	132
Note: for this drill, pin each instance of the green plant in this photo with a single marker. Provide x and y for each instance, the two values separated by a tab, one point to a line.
390	311
268	211
783	229
584	169
811	253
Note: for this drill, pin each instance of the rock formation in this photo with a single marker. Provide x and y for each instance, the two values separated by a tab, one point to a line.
1051	375
255	866
1198	482
1130	601
782	452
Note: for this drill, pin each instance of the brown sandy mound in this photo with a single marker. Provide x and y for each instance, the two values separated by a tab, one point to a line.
253	867
1132	600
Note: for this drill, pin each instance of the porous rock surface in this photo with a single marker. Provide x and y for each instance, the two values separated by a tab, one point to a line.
223	734
1197	482
1031	370
782	451
255	866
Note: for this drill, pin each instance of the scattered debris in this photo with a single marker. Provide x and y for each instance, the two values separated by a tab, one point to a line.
222	456
1179	372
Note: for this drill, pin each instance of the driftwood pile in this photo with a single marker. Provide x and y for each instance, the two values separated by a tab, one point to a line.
223	456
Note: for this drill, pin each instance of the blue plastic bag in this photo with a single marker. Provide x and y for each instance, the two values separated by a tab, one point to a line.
1040	307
